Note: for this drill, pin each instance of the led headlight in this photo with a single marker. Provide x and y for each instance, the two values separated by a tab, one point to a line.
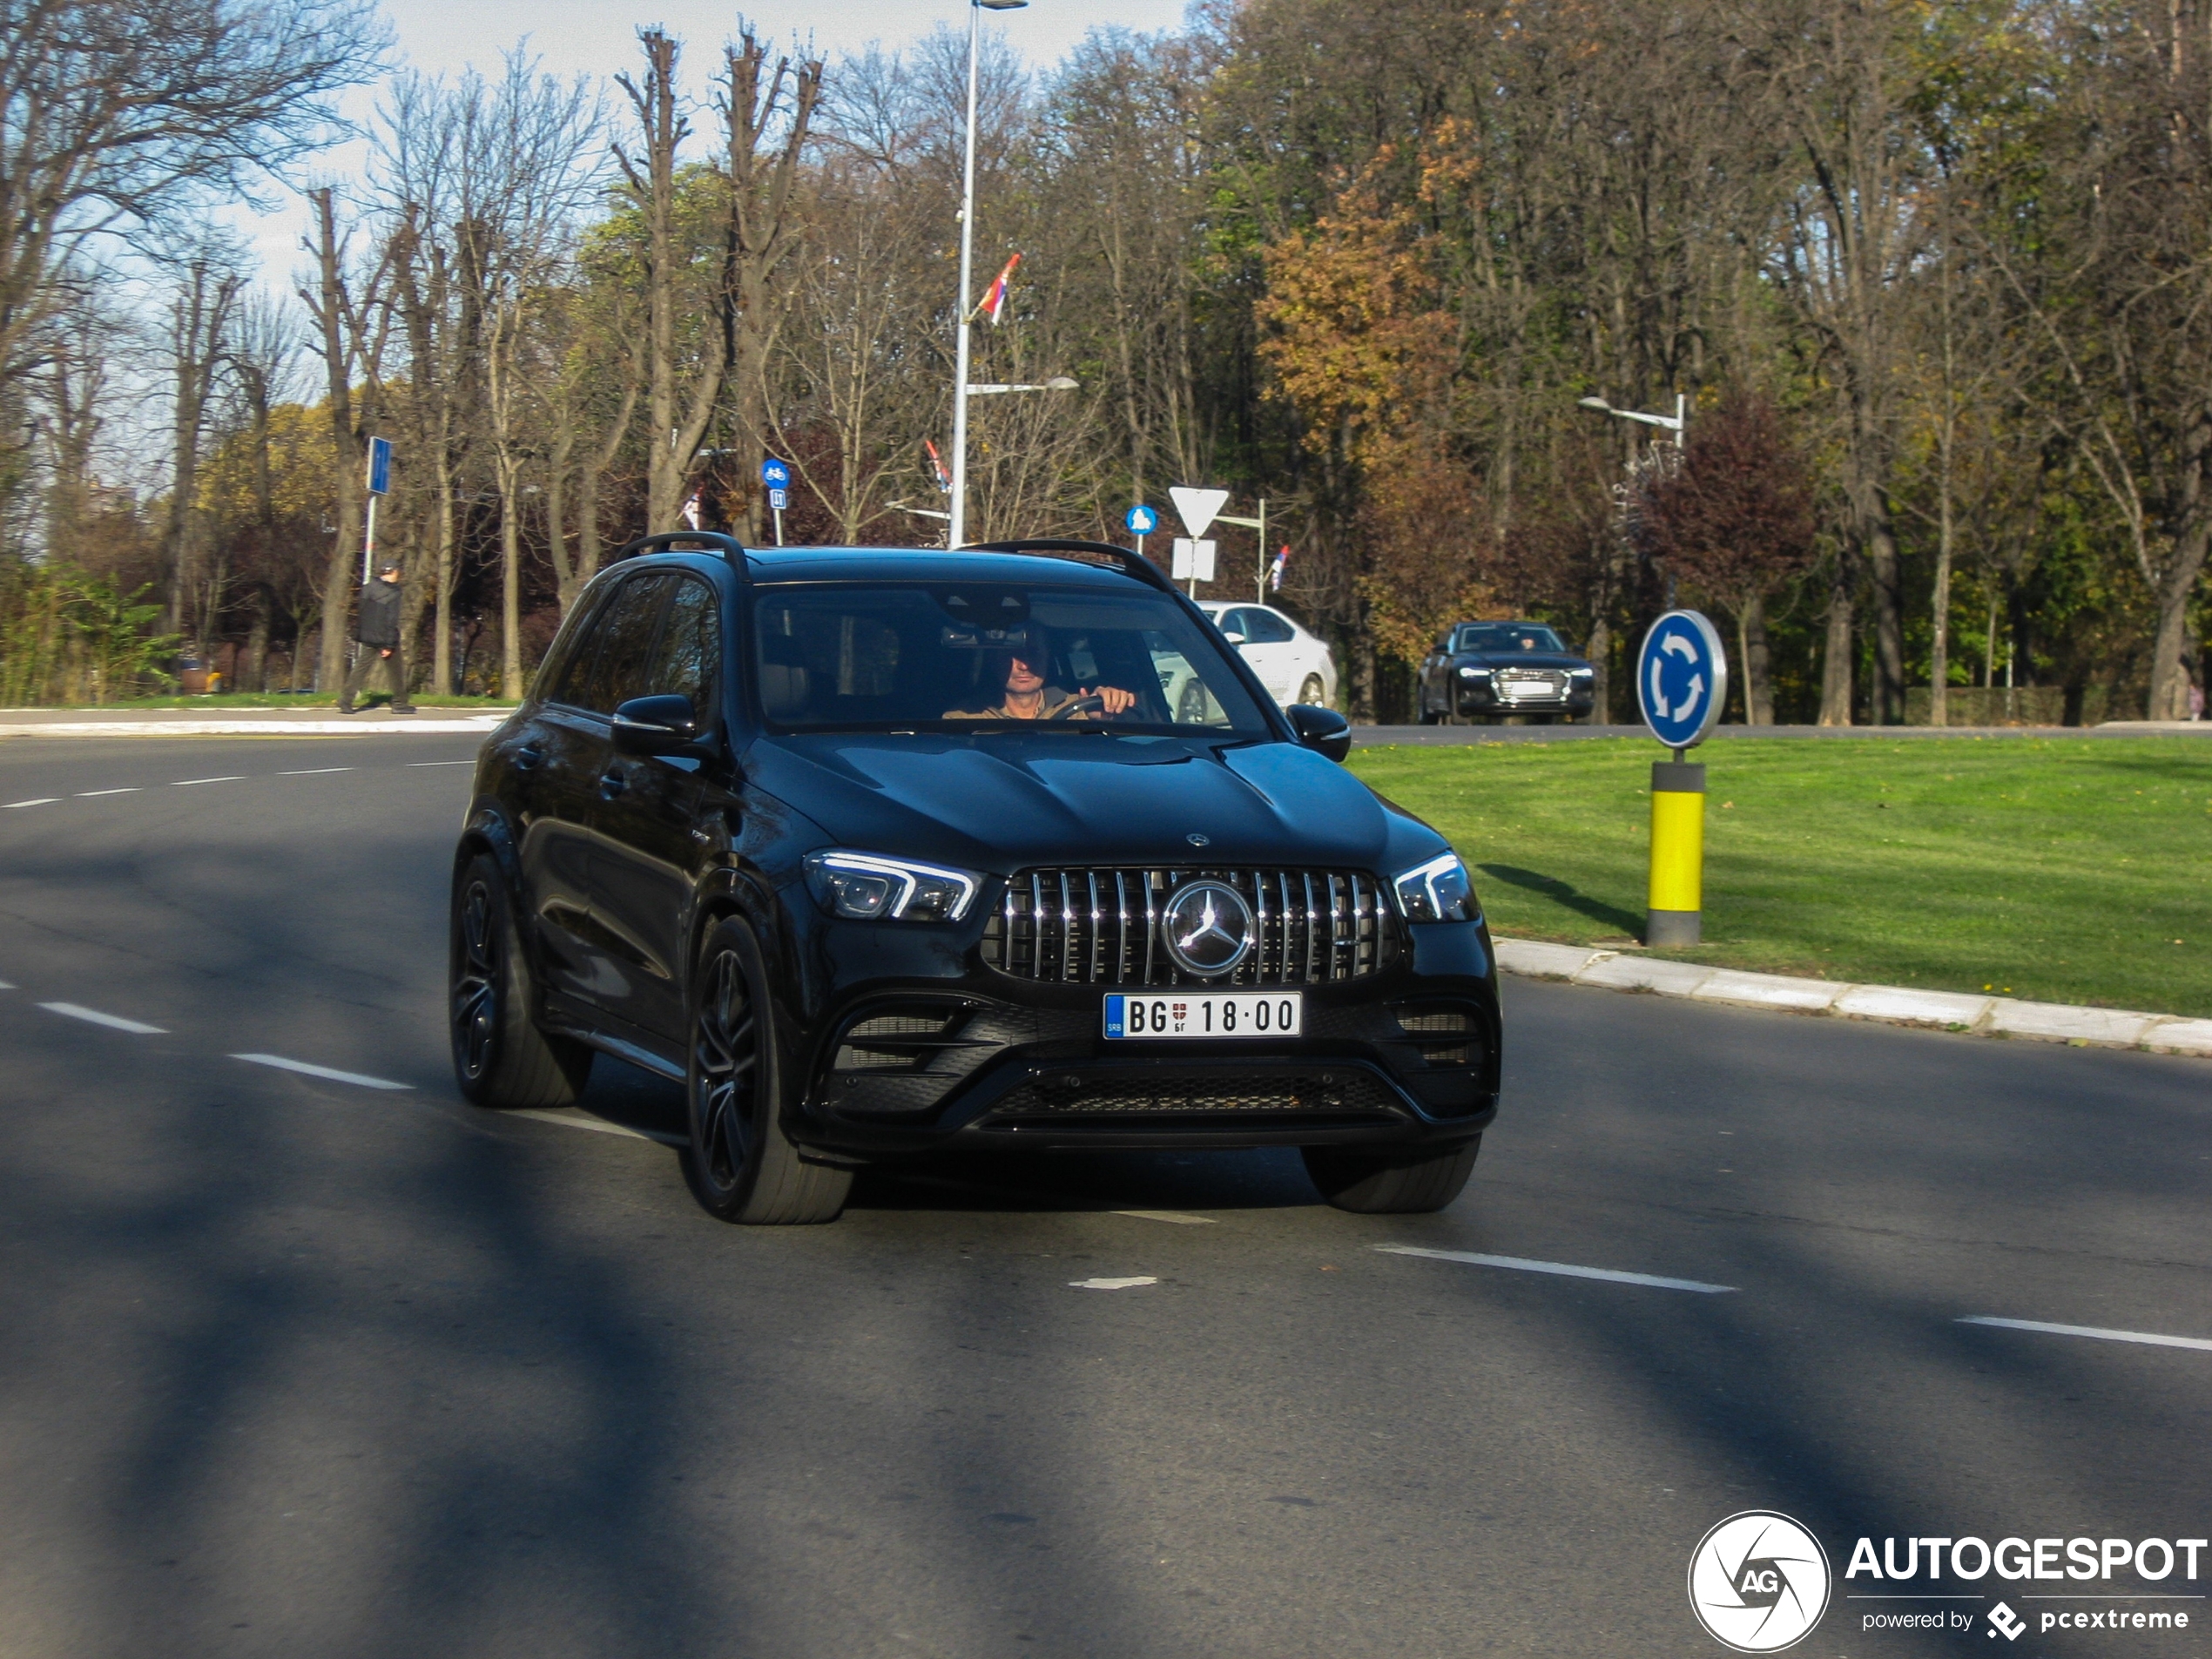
1583	673
1473	674
1436	891
863	886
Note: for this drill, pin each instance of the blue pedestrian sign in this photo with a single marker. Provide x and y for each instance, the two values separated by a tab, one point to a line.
775	474
1141	520
379	465
1681	678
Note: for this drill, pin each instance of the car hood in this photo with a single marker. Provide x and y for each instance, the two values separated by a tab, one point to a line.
1007	801
1520	660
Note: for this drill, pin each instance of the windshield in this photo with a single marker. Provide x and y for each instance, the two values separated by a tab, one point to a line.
883	656
1508	638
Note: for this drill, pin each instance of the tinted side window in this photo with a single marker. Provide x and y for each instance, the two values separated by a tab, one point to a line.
569	662
1266	628
621	669
690	648
1232	622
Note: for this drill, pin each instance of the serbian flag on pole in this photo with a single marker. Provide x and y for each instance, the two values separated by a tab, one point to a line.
691	510
944	478
994	305
1275	575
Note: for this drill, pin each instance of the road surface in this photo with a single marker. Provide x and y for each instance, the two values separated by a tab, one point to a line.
327	1362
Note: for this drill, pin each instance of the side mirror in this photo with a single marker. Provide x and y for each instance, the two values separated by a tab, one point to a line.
1234	637
655	726
1322	730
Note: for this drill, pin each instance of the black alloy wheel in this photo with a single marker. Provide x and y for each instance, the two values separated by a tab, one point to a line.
500	1057
739	1163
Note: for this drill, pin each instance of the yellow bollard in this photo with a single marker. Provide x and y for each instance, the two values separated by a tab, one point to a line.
1677	894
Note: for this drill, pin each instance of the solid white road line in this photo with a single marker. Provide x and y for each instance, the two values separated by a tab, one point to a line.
94	794
43	800
307	1071
441	763
2150	1337
186	783
1178	1218
1110	1284
313	772
1523	1265
113	1022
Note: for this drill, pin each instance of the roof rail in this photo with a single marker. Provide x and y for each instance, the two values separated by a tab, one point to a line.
730	548
1132	563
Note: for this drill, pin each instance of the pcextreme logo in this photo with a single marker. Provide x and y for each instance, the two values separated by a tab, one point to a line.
1758	1583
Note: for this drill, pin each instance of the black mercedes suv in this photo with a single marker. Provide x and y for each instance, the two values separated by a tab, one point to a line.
881	851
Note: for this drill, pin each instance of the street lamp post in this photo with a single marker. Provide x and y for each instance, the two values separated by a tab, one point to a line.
957	532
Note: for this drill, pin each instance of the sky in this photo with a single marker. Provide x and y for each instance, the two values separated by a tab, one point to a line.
599	37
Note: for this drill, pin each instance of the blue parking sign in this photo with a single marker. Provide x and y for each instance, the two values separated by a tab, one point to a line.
1681	678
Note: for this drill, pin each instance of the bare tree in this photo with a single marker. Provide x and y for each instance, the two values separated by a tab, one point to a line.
116	114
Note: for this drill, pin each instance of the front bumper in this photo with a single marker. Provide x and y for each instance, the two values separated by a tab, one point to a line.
1476	697
1406	1057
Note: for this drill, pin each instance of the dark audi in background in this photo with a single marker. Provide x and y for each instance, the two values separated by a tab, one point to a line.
1492	670
757	830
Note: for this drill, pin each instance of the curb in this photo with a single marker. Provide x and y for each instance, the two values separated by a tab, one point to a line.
1981	1016
285	727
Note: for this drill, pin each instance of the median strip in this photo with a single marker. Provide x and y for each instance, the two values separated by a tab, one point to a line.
330	1074
1567	1269
112	1022
1987	1016
2149	1338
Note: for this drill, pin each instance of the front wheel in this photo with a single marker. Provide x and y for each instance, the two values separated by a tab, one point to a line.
500	1057
1391	1184
739	1163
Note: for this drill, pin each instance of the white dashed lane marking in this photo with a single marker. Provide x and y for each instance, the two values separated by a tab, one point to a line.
313	772
2149	1337
1175	1216
1110	1284
43	800
1522	1264
94	794
359	1079
113	1022
186	783
442	762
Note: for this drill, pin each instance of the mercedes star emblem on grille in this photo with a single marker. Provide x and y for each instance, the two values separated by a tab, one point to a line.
1208	927
1196	839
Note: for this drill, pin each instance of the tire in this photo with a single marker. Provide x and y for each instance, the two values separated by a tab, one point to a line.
500	1057
1310	693
1391	1184
739	1163
1429	716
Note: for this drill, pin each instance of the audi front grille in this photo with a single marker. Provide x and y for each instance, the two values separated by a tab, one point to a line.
1102	927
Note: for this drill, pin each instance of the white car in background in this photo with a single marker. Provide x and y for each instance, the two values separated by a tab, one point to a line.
1291	663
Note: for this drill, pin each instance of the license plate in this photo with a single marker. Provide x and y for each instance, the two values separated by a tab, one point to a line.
1206	1013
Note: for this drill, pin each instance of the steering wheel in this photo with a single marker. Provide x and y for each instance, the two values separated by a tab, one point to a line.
1093	704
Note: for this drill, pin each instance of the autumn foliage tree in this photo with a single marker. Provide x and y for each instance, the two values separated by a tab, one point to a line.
1734	523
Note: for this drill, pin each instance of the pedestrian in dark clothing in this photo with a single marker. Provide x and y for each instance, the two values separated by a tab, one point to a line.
378	629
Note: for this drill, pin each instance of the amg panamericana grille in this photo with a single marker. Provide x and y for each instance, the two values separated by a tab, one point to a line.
1102	927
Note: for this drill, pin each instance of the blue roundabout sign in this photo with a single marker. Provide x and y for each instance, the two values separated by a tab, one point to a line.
1681	678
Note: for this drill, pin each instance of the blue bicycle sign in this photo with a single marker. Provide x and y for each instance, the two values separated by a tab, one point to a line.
1681	678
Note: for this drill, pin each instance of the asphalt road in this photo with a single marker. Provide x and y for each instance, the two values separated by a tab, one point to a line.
296	1365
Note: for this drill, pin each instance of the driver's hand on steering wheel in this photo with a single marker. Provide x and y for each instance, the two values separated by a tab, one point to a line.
1113	700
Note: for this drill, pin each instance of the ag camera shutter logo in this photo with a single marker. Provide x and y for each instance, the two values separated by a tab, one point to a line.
1758	1583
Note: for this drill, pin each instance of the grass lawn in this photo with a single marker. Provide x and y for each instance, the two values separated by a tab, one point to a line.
2061	870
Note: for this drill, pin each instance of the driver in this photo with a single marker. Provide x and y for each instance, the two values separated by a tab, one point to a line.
1028	696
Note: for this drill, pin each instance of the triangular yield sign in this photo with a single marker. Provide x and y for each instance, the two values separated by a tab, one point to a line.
1198	506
